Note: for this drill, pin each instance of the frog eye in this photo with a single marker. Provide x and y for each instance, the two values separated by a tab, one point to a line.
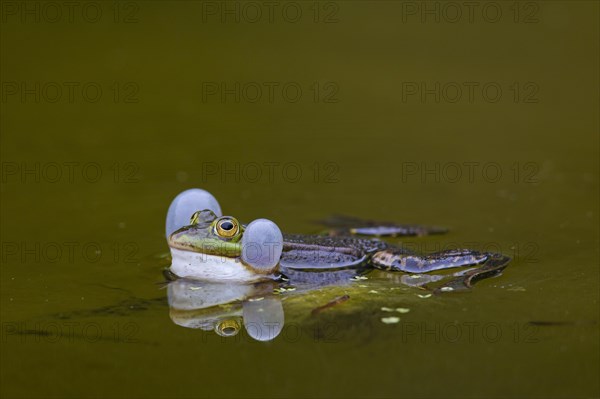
227	227
227	328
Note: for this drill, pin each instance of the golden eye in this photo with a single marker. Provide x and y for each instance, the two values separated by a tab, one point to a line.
227	328
227	227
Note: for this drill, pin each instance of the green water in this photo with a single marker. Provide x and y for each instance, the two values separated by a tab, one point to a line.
354	124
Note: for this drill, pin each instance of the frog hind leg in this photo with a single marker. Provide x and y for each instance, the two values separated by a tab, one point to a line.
347	225
493	266
490	264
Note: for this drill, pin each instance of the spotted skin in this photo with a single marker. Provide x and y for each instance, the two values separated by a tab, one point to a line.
341	248
304	253
394	260
323	258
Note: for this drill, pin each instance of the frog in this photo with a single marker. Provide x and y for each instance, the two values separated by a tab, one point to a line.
222	249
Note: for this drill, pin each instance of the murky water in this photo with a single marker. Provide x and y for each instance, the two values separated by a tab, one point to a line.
487	124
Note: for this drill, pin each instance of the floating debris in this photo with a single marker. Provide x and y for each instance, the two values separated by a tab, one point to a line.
330	304
195	288
362	286
256	299
373	292
399	310
446	289
390	320
281	290
516	289
357	278
423	295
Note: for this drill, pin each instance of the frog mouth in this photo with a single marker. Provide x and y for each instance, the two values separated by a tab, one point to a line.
202	266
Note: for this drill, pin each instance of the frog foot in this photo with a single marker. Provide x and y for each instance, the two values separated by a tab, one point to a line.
490	264
347	225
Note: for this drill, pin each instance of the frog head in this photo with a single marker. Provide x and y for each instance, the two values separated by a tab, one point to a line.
222	249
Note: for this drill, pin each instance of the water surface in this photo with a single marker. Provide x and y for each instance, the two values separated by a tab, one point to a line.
92	320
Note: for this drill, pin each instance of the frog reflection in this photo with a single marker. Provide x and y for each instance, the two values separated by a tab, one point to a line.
226	308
